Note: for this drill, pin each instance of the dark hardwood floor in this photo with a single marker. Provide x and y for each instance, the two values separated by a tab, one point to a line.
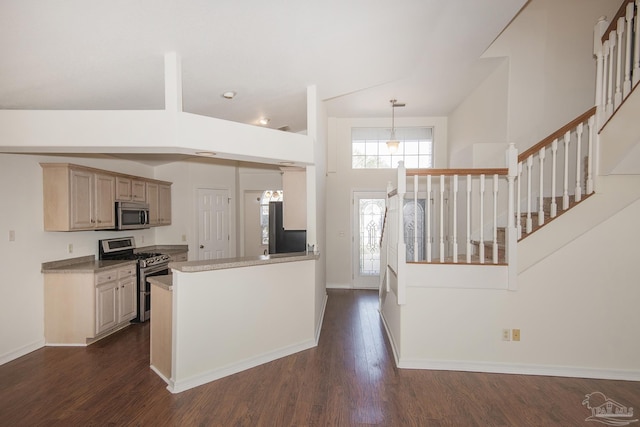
349	379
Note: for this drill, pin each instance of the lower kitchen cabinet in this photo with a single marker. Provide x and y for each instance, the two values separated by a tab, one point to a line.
115	298
81	308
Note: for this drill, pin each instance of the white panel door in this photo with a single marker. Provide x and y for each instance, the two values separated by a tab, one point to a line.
213	223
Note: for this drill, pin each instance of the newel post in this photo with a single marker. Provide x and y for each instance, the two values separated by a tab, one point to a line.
512	231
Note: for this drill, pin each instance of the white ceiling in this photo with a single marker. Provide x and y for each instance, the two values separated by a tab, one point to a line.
79	54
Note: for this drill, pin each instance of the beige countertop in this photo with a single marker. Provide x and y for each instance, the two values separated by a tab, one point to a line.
164	282
85	264
224	263
89	263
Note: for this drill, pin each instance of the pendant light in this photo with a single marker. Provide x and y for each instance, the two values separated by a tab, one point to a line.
393	143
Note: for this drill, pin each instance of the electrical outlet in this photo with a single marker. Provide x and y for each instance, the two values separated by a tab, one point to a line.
70	248
506	336
12	235
515	334
184	237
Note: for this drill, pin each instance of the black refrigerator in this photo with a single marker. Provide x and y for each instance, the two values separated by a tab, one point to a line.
281	240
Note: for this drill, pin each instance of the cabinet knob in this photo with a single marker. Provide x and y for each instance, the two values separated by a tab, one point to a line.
201	246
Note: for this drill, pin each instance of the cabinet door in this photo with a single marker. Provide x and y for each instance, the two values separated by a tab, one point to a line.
152	200
123	188
106	306
164	204
127	302
81	200
138	190
105	198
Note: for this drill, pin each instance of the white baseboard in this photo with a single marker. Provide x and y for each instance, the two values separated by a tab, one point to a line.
339	286
195	381
26	349
520	369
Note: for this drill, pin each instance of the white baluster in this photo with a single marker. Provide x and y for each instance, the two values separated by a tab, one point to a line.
605	85
591	123
626	86
636	47
578	191
553	209
495	218
529	195
441	218
612	45
415	218
518	202
481	245
618	95
541	155
455	218
599	52
468	219
565	193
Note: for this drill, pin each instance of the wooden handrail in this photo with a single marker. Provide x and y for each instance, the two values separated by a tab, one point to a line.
450	172
614	22
557	134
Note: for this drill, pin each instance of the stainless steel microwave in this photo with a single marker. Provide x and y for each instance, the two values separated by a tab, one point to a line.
132	215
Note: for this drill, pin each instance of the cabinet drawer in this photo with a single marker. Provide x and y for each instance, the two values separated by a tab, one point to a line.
106	276
126	272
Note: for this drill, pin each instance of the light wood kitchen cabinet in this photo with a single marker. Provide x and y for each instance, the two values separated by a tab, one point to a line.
77	198
138	190
123	188
159	200
115	298
130	189
82	198
81	308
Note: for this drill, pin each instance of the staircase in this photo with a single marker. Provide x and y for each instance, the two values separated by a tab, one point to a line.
487	231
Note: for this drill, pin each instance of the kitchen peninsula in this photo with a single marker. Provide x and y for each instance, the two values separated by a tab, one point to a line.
214	318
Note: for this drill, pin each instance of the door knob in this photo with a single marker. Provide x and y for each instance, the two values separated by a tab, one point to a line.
201	246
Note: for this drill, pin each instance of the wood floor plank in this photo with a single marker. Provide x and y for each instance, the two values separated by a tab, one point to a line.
349	379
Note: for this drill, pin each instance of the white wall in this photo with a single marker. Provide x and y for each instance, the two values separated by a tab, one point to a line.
550	81
342	181
481	120
188	177
318	130
22	304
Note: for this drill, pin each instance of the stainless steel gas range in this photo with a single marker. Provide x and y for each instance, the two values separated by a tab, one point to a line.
149	264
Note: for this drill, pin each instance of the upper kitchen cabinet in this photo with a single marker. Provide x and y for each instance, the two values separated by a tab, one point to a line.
77	198
159	200
294	209
82	198
130	189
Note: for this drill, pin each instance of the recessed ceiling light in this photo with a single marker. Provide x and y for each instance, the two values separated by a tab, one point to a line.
205	153
264	121
229	94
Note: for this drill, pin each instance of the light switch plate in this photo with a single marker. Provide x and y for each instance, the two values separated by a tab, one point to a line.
12	235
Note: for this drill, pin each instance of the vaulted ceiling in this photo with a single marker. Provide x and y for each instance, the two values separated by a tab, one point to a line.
78	54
